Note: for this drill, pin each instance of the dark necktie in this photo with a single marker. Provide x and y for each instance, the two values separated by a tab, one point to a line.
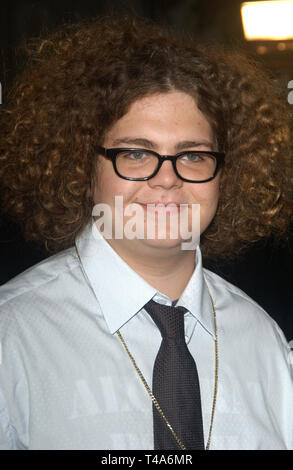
175	383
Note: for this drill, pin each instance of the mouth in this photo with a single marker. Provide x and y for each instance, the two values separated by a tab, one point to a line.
163	207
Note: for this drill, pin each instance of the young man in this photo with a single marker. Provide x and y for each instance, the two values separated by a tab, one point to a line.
117	112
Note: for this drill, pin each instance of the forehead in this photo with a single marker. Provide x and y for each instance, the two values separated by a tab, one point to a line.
161	117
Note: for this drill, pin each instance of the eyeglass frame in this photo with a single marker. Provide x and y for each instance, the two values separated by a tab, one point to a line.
113	152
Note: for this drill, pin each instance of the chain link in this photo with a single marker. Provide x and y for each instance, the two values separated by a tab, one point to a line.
153	398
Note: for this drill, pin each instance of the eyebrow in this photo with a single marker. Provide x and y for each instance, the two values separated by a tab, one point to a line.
142	142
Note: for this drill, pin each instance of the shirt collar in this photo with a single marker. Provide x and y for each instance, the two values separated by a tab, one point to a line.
107	273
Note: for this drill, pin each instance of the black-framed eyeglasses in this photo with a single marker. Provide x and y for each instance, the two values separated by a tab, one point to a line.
138	164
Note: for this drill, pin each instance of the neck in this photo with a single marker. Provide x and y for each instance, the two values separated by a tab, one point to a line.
168	270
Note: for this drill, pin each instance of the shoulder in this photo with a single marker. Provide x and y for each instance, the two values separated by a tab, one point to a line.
40	281
242	316
227	293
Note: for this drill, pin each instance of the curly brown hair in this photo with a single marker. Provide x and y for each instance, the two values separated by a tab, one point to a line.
82	78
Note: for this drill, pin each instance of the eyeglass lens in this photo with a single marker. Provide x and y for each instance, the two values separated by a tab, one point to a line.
141	164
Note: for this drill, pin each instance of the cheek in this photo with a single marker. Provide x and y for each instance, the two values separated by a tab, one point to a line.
213	196
207	194
207	197
103	182
108	185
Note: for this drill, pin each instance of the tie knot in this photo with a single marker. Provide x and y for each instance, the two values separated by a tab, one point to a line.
169	320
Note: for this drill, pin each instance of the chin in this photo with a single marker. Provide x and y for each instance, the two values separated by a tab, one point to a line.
163	245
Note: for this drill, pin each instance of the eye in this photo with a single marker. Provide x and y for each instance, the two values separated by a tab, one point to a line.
191	157
136	155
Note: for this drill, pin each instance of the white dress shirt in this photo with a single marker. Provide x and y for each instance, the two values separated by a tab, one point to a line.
66	381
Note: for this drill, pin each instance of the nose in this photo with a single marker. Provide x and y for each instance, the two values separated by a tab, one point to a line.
166	177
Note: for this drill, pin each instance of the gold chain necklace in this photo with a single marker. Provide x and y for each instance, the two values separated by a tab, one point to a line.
153	398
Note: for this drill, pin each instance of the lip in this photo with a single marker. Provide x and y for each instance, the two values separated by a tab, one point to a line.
158	206
161	203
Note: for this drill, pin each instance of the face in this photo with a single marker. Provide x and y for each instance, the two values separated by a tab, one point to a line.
167	123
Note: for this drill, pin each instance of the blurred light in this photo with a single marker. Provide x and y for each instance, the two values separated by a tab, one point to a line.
267	20
281	46
261	50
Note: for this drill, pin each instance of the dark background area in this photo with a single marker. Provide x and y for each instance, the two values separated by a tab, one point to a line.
265	272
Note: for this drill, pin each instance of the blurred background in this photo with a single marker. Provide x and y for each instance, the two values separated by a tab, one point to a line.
265	272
